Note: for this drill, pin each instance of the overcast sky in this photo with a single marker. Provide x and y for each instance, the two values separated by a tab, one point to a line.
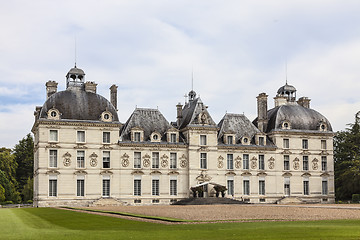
237	49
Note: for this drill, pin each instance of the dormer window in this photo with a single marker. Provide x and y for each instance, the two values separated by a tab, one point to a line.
172	135
245	141
173	138
137	134
202	140
260	140
53	114
106	116
323	127
286	125
155	137
229	139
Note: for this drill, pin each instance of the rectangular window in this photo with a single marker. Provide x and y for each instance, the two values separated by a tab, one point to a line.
173	187
202	139
106	137
305	163
230	161
173	160
286	162
246	161
52	187
323	163
203	161
106	188
80	159
230	187
137	137
305	144
106	159
324	187
261	141
323	144
261	162
137	159
53	135
80	188
306	187
173	138
261	187
155	160
80	136
246	184
230	140
286	143
137	187
155	187
287	186
53	158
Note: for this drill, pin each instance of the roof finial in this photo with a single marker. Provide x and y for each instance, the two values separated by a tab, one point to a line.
286	71
75	50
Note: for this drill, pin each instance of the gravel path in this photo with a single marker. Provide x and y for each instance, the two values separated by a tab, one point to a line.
245	212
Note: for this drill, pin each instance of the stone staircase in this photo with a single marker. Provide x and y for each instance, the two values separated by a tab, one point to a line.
106	202
208	201
289	200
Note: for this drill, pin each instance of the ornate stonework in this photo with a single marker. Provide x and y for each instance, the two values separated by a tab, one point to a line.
271	163
220	162
238	162
296	164
164	161
67	160
315	164
253	163
125	160
93	159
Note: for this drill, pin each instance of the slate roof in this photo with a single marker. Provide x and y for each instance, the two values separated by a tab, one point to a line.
78	104
300	118
191	111
238	124
150	120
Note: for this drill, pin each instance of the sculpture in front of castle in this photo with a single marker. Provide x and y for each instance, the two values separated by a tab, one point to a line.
84	155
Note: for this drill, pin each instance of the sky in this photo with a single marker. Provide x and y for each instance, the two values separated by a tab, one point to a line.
233	50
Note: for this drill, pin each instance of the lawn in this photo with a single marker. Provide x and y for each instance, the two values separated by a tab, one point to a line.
47	223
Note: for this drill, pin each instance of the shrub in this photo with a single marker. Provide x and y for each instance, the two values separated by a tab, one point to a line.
30	201
356	198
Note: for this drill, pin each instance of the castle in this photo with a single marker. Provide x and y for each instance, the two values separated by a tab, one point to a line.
84	155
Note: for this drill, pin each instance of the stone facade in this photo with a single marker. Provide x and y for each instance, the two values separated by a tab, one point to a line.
85	156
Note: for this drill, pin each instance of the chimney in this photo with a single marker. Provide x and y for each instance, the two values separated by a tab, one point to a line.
262	111
90	87
51	88
280	100
113	95
179	113
304	101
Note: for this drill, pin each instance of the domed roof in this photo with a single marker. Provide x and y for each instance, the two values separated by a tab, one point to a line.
77	71
298	117
78	104
286	89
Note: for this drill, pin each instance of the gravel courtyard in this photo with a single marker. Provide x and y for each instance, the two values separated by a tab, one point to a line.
245	212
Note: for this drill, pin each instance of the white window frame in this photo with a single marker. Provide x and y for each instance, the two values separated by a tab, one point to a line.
80	159
246	161
173	160
106	188
230	161
80	187
137	186
53	189
80	136
203	160
155	163
305	144
106	137
323	144
323	163
324	187
53	156
305	163
306	187
262	187
155	187
106	159
173	187
53	135
230	187
286	162
230	139
173	138
137	136
261	162
286	143
203	140
246	187
137	159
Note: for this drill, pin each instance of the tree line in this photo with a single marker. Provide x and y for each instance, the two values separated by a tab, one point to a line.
16	172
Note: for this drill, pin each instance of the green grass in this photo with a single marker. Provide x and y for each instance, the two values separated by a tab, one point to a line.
47	223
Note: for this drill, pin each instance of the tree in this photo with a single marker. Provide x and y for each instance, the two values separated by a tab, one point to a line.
347	161
2	194
27	191
24	157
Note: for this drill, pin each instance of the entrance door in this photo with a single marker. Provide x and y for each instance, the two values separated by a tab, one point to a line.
287	189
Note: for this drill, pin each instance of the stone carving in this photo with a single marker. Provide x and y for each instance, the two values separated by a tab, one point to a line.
125	160
271	163
220	162
203	177
238	162
164	163
67	160
146	162
315	164
254	163
296	164
93	159
183	161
